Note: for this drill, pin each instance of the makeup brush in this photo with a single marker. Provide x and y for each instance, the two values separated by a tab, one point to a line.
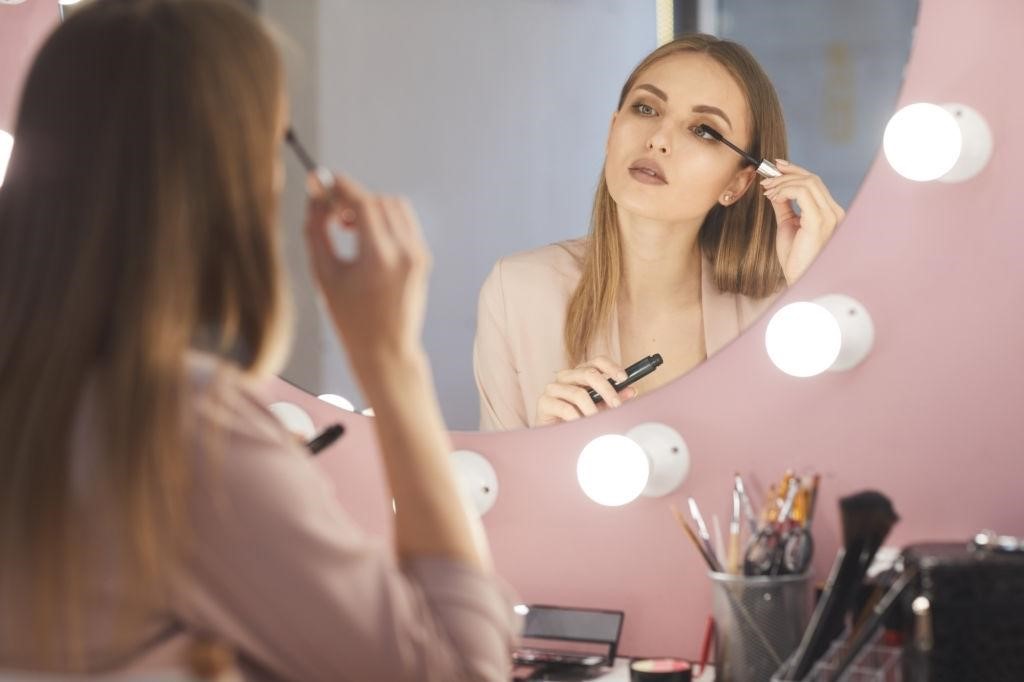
323	175
867	519
764	167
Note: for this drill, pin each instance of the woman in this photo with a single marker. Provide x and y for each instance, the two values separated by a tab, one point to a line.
685	250
149	499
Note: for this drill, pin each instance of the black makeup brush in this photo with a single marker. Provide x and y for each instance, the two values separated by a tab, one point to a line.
867	519
765	168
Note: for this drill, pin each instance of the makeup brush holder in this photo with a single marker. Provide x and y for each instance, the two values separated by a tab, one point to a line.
758	623
876	663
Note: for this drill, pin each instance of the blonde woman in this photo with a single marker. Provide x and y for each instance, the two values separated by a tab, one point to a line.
688	245
148	499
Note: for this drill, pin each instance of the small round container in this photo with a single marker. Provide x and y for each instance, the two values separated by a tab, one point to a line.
660	670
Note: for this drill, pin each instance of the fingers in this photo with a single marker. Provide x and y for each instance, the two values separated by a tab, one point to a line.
573	396
791	169
819	211
589	376
612	369
567	398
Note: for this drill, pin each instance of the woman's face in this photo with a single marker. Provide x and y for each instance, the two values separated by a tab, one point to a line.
656	165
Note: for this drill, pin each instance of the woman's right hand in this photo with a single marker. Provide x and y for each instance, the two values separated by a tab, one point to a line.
376	299
566	398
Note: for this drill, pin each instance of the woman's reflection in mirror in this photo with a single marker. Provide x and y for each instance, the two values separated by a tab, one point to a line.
687	246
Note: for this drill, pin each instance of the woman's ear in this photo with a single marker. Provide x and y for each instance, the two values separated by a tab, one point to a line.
738	186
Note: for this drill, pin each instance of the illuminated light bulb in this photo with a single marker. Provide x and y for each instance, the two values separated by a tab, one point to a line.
337	401
803	339
948	142
6	147
922	141
612	470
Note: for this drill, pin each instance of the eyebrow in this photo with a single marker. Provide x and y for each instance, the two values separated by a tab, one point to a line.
699	109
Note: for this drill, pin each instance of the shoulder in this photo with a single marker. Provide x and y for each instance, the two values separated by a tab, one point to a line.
548	269
230	408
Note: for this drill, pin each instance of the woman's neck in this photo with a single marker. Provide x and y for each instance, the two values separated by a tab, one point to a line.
661	262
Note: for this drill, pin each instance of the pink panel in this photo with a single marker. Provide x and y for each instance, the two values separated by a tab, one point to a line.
22	29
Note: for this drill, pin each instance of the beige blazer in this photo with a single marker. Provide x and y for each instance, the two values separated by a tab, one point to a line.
520	321
278	571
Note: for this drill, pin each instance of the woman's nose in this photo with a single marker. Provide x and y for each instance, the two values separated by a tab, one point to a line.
658	143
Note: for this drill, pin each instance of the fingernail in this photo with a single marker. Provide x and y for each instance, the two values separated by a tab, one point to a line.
782	162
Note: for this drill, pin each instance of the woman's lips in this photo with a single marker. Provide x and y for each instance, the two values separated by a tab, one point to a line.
645	176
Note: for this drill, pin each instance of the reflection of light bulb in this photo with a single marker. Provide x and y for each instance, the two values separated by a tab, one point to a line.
922	141
369	412
612	470
338	401
6	147
295	419
68	2
803	339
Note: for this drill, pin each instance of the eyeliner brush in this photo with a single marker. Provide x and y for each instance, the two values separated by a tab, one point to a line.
765	168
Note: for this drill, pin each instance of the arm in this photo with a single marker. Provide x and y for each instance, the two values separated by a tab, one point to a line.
376	302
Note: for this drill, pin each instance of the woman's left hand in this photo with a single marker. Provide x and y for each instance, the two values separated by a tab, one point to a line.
800	238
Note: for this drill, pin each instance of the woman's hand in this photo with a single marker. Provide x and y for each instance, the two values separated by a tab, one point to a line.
800	238
377	298
566	398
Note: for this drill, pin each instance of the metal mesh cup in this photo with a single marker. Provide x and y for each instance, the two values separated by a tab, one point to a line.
758	623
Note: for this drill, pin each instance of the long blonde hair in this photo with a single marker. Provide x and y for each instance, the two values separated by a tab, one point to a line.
738	240
137	216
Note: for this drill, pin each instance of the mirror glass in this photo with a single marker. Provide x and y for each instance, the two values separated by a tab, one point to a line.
492	117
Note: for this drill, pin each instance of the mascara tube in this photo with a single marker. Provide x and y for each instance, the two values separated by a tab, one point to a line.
634	373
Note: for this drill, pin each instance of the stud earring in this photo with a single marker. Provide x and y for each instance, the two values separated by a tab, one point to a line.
727	198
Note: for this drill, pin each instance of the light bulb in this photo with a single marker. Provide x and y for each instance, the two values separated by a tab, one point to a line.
922	141
803	339
612	470
337	401
6	147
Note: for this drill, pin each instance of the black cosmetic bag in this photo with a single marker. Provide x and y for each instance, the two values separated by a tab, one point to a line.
964	615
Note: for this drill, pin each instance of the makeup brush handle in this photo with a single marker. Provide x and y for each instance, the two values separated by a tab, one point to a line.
878	615
805	654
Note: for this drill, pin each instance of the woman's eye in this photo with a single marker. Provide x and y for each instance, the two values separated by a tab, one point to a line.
644	109
702	133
